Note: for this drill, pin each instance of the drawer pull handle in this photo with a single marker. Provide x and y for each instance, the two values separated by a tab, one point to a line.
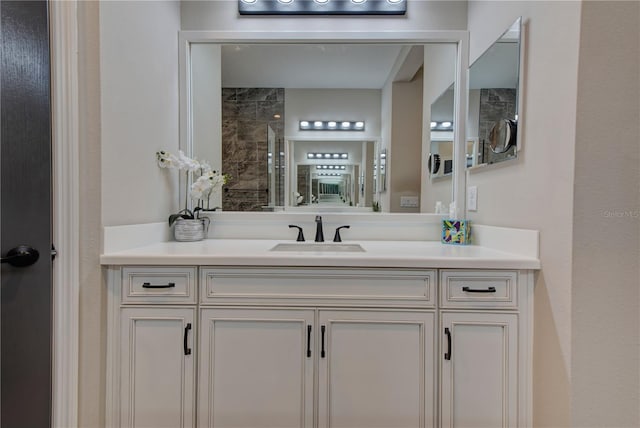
187	350
479	290
308	341
322	353
447	355
149	285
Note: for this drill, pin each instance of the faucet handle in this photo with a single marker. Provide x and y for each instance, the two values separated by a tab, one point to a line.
337	237
300	234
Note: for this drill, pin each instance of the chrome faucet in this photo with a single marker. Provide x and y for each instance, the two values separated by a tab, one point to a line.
319	234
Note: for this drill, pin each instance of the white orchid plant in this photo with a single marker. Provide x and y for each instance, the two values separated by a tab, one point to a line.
205	182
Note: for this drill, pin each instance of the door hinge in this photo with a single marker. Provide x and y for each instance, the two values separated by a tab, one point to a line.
54	252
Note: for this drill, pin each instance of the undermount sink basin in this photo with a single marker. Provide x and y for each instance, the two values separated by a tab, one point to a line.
320	247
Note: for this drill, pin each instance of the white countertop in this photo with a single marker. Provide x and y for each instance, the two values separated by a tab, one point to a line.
247	252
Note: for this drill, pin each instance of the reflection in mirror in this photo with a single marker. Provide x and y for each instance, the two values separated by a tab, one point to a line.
337	177
493	100
261	94
440	102
383	170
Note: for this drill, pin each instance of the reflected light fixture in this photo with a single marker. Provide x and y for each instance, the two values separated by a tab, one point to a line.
322	7
328	156
447	125
331	125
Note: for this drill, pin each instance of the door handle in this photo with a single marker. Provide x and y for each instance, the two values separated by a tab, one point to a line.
149	285
309	341
21	256
322	352
447	355
479	290
187	350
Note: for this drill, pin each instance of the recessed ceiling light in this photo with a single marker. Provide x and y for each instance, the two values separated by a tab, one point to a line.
277	116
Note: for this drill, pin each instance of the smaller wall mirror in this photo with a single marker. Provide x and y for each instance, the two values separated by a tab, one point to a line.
493	101
440	162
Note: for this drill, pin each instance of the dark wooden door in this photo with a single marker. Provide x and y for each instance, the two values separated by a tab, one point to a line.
25	214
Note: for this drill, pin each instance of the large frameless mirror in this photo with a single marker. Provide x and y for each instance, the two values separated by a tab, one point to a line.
307	126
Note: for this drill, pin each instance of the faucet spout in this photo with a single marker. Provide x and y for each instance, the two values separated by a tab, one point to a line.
319	234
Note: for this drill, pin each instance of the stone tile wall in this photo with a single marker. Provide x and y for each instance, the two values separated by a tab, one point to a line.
246	114
495	104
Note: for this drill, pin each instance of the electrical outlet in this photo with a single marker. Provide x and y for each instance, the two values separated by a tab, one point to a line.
472	198
409	201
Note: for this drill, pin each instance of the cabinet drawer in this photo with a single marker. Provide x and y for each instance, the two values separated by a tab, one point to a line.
158	285
481	289
382	287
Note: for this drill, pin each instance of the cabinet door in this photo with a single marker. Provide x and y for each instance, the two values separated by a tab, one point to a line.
157	368
377	369
479	366
255	368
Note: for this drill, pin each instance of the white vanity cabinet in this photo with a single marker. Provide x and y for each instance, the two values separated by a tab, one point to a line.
254	368
484	380
376	369
366	336
319	347
151	372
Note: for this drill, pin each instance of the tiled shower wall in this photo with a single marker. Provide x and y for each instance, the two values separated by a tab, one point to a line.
495	104
246	114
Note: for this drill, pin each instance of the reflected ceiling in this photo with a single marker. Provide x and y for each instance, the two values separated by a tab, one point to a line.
308	66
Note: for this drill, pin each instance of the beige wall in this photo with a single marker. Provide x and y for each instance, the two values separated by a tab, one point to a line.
222	15
605	369
139	102
536	191
92	349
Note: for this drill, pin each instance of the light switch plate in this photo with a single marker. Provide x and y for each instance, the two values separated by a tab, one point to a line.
472	198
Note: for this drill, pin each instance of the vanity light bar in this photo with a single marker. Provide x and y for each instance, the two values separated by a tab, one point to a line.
331	125
330	174
442	126
322	7
331	167
328	156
